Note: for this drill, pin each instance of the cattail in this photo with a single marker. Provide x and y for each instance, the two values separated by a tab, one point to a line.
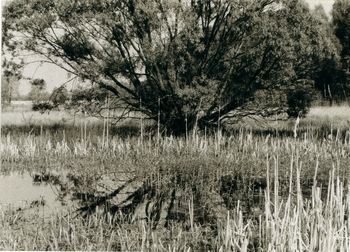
296	125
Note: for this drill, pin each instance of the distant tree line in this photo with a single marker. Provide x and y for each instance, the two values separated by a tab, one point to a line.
333	77
189	64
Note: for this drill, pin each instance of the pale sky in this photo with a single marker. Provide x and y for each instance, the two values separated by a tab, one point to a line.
327	4
55	76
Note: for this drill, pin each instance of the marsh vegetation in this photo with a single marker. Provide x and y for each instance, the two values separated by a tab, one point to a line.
239	189
179	126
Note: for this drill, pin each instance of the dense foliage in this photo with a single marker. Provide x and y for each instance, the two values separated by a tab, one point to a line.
341	22
179	62
341	25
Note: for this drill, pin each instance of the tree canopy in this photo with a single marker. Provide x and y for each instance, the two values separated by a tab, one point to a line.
38	91
11	74
341	22
341	28
194	61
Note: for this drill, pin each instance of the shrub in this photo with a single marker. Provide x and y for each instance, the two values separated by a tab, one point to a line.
299	98
42	106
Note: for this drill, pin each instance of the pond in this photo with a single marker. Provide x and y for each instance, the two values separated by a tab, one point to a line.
20	191
50	193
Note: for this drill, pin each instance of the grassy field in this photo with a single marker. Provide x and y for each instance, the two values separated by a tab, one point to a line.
254	187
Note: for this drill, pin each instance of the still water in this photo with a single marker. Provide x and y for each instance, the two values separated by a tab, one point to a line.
20	192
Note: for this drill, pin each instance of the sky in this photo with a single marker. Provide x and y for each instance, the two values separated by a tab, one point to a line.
327	4
55	76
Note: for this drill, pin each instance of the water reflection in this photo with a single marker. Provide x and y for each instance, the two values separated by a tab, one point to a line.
20	192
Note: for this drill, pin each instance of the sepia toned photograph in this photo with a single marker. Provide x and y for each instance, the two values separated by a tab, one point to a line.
175	125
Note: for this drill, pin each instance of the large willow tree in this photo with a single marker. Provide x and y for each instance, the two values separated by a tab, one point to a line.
194	61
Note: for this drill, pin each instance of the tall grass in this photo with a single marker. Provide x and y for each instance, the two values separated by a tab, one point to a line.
294	223
243	191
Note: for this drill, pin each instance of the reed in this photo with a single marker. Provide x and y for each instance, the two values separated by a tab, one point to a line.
240	191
